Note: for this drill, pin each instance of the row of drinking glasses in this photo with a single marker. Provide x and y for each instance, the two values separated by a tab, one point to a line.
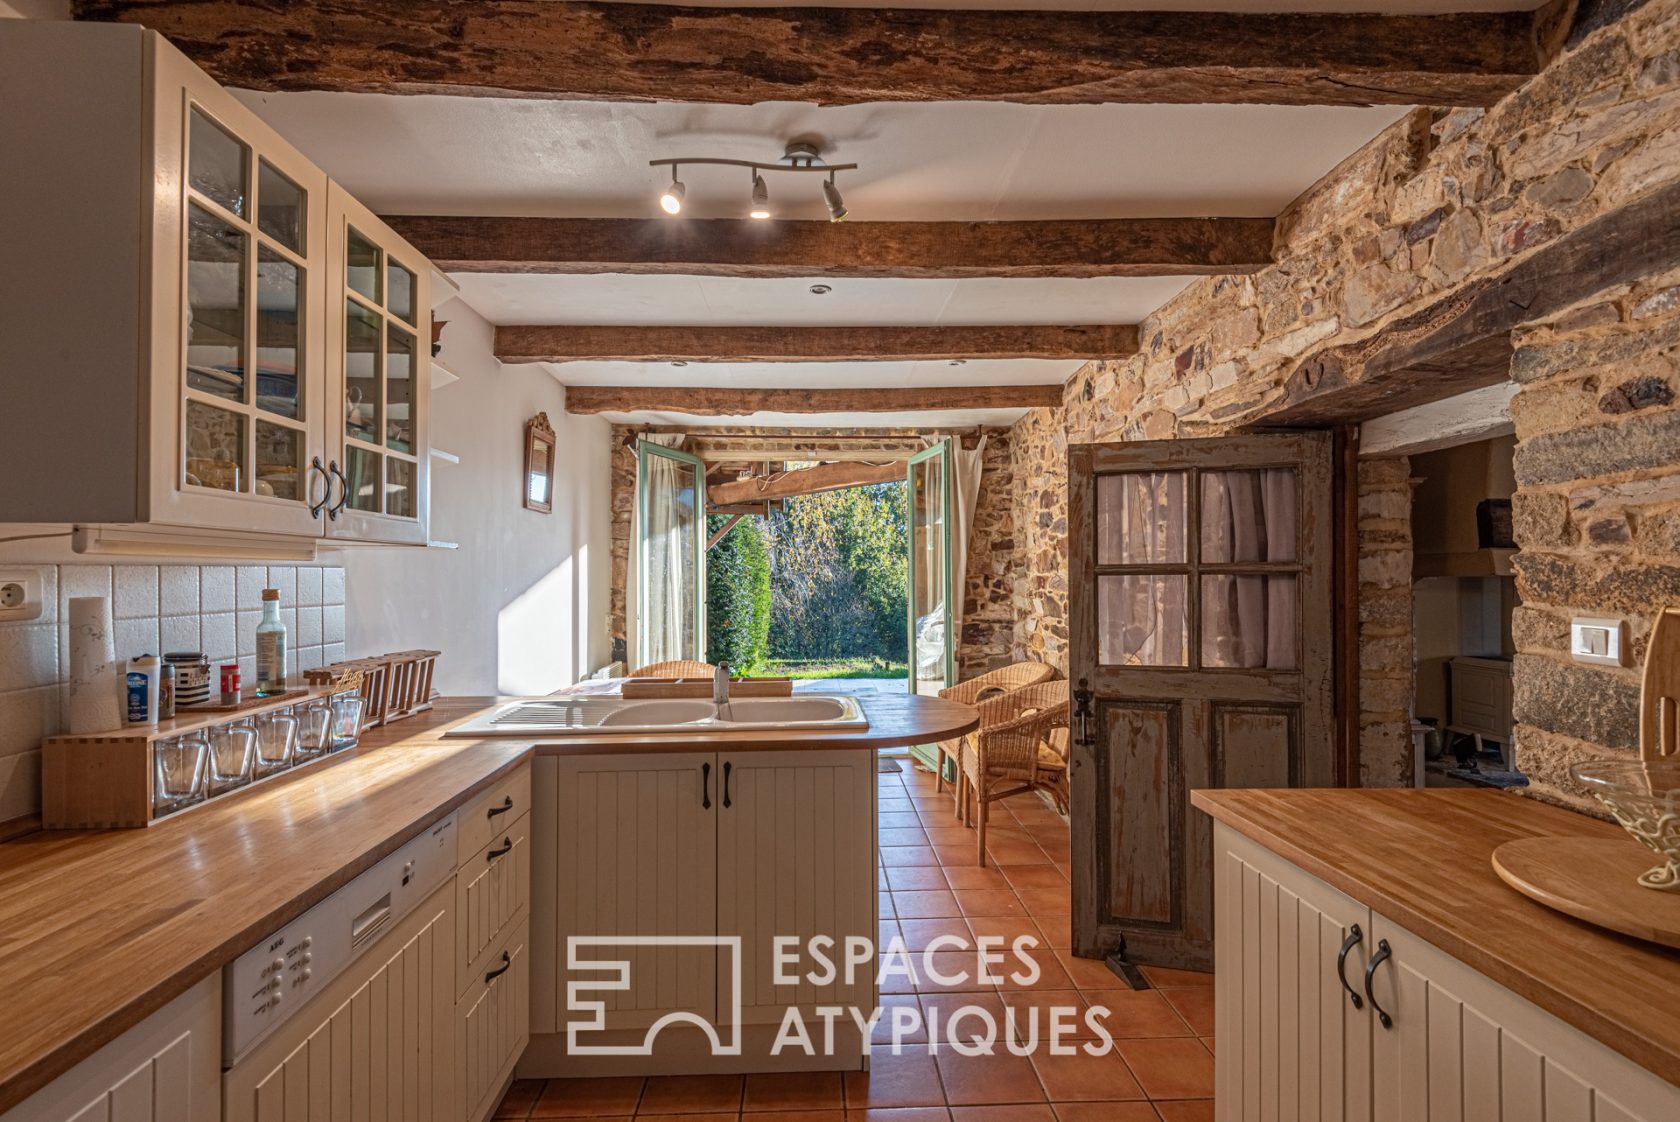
208	762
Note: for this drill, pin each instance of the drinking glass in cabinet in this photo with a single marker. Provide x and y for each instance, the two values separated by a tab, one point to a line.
215	306
315	721
346	720
215	447
277	740
361	372
231	751
179	776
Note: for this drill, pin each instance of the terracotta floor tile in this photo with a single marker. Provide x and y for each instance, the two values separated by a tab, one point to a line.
520	1098
1015	853
1194	1004
958	856
1050	974
1170	1068
1047	901
976	878
1207	1042
729	1116
1166	976
584	1098
915	1031
958	972
1085	1078
1089	973
987	1080
989	903
925	905
1058	930
1019	1112
916	878
802	1091
1035	1012
1002	830
906	835
906	1079
900	1114
884	903
1136	1013
1106	1112
691	1094
1035	876
1186	1110
894	805
918	933
938	1009
794	1116
1006	928
953	834
896	856
885	931
902	820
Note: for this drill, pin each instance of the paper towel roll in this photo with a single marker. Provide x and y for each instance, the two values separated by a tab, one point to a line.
95	678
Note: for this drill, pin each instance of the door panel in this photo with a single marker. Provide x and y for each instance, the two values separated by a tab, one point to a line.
1200	614
932	612
670	553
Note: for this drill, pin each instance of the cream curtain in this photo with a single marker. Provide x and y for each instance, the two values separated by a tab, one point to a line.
1250	621
967	494
665	592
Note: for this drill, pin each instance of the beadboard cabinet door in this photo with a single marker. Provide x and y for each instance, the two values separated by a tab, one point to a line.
494	1025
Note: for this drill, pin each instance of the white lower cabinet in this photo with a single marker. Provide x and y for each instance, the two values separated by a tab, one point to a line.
165	1069
493	1024
1294	1043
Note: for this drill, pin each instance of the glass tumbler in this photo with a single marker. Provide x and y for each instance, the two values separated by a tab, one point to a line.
277	741
314	728
231	749
346	720
179	778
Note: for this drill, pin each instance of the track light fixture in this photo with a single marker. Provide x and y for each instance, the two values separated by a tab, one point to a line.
800	155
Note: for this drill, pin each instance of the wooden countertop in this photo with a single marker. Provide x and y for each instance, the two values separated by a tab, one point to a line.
1421	858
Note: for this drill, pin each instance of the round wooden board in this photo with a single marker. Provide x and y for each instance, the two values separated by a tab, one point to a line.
1593	879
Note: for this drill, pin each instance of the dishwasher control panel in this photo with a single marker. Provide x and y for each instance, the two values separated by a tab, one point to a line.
268	983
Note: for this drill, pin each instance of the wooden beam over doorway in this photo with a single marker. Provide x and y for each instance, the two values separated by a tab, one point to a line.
804	481
847	56
740	247
718	401
810	344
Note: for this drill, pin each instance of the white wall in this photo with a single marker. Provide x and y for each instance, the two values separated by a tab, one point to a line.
521	606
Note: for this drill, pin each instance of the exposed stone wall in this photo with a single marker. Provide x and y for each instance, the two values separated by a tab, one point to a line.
1038	446
1385	622
1435	202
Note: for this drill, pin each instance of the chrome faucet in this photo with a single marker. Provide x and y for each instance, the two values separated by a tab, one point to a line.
720	684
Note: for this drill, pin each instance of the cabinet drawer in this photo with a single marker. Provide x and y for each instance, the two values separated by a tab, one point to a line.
492	810
493	1024
492	890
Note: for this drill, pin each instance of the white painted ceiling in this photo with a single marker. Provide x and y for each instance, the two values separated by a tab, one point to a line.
818	375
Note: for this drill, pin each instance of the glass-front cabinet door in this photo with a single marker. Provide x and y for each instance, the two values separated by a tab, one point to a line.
379	363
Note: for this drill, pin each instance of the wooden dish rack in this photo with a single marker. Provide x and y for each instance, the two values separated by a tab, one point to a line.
394	685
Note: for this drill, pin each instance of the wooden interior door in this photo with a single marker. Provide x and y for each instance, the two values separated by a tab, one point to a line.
1199	598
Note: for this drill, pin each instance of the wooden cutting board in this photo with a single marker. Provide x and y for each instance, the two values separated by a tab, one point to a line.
1593	879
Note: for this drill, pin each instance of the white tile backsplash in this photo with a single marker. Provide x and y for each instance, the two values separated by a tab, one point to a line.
157	609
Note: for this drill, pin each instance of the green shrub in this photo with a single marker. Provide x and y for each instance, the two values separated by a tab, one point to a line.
738	596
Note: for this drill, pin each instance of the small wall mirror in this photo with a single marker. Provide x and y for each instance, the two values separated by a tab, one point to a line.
539	464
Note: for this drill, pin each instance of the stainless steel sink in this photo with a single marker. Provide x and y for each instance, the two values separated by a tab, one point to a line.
591	716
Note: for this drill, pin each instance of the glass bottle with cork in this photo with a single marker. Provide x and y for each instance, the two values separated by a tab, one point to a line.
271	647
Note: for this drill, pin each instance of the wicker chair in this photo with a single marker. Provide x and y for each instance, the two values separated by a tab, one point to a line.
974	691
676	668
1018	749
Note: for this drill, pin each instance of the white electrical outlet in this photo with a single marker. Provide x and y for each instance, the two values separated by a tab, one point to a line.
1597	640
20	595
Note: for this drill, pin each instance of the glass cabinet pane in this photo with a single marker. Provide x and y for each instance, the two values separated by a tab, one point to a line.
1251	621
362	329
216	164
399	390
399	487
362	467
215	305
400	290
281	209
361	268
1249	516
1143	620
1141	518
215	447
279	461
279	300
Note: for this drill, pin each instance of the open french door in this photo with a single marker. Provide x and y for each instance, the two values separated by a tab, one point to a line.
1200	604
670	555
932	612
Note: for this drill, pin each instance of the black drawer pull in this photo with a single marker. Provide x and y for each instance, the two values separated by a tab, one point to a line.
1383	954
727	768
507	805
507	964
1354	938
506	848
705	786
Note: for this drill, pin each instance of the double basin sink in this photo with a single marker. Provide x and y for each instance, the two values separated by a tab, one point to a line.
592	716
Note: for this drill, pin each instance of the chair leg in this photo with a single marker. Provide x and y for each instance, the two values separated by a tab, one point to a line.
981	799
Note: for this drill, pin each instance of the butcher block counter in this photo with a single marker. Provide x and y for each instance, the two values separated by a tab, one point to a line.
99	929
1412	868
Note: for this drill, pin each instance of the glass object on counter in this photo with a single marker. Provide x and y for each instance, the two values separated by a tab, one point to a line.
215	447
277	739
178	778
232	748
315	722
346	720
271	647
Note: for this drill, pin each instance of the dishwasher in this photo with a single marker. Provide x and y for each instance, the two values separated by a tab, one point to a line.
347	1011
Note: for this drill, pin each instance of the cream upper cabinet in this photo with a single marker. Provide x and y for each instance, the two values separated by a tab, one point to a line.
178	350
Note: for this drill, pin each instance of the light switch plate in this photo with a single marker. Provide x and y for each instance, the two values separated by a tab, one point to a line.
20	595
1597	640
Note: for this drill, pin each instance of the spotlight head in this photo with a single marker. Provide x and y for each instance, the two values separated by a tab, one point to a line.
831	196
671	202
760	198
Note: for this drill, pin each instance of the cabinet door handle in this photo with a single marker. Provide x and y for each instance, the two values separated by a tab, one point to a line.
507	964
506	848
727	767
315	469
1354	938
507	805
706	786
1384	953
335	509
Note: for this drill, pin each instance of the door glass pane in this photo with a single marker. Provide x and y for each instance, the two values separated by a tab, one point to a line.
399	390
216	164
1251	621
399	487
362	467
929	594
215	447
1249	516
1143	620
361	269
670	560
279	461
215	305
400	287
1140	518
361	371
279	298
281	207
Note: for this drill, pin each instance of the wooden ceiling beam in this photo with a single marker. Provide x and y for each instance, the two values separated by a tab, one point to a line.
846	56
740	247
804	481
718	401
589	343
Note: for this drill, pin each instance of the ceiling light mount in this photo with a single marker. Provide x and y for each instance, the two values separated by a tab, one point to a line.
804	155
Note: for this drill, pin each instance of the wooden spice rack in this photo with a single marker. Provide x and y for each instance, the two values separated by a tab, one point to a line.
394	686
